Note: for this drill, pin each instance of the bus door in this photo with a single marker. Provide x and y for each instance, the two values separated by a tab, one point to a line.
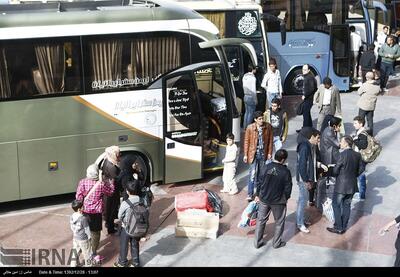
183	139
339	58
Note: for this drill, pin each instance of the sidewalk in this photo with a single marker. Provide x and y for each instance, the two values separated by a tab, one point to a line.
360	246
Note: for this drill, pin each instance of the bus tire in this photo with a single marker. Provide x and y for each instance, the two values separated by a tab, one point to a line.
127	160
294	82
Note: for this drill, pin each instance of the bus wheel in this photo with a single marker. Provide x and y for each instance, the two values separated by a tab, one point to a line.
294	82
129	158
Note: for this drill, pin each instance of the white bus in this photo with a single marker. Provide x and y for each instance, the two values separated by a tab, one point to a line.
77	77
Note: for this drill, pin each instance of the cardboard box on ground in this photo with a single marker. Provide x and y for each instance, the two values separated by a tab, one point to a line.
197	223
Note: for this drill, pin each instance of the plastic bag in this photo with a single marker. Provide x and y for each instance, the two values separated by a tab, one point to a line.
249	215
215	201
328	210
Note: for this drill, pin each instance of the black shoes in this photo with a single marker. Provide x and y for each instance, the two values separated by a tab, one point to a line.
281	244
333	230
298	131
259	245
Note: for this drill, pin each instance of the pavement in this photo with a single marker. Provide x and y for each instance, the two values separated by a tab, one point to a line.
47	226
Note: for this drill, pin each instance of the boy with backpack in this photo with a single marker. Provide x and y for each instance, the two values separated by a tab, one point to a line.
369	149
134	217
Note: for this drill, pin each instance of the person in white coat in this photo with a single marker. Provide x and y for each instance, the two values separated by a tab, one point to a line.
250	95
228	176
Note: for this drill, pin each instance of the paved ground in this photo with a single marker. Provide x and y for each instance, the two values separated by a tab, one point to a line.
361	246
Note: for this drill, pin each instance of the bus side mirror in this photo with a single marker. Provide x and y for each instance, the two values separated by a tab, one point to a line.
282	26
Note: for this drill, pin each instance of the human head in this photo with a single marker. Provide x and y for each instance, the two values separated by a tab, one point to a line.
258	118
272	64
76	205
386	29
352	29
112	153
358	122
275	104
230	138
281	156
92	172
313	136
335	123
346	142
327	82
390	40
132	187
251	68
370	76
305	69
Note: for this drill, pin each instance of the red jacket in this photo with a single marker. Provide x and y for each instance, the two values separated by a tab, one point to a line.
251	138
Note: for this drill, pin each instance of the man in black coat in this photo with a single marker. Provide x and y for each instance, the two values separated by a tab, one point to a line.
348	167
309	88
273	193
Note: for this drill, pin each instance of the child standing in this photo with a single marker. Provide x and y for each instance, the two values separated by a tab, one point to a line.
228	176
132	187
81	240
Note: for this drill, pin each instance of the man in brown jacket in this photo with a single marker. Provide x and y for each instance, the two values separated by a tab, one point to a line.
258	143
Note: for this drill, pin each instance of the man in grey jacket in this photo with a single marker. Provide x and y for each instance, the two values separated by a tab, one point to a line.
348	167
389	53
327	99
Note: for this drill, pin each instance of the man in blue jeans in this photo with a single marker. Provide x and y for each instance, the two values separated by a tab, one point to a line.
349	165
306	175
389	52
257	149
360	141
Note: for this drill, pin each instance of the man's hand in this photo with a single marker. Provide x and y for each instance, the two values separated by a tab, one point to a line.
302	97
245	159
269	156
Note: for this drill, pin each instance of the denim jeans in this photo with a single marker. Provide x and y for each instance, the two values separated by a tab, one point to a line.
124	241
250	107
370	119
301	203
254	171
341	204
270	96
307	120
277	143
386	71
362	185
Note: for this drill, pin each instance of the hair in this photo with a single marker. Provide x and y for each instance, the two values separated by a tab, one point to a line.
335	121
272	61
230	136
352	29
280	155
76	205
369	75
359	119
327	81
386	27
391	37
308	66
92	172
276	101
133	187
257	114
250	68
312	133
348	140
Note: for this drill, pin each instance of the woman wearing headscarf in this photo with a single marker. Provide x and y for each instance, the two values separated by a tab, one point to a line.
91	191
110	171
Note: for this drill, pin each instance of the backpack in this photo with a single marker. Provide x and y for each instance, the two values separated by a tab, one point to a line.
137	220
372	151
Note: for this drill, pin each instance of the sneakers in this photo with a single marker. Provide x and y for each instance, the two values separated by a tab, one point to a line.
98	259
222	190
249	198
303	229
117	264
281	244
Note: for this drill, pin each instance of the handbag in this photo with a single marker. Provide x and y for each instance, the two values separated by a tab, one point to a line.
299	108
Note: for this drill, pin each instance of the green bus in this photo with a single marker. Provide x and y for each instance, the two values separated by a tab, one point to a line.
148	76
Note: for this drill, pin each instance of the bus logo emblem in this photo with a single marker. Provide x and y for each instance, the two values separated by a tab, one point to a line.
247	24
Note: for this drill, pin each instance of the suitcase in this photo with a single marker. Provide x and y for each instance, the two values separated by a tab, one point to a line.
192	200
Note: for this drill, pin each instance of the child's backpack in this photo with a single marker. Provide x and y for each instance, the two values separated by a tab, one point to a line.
372	151
137	220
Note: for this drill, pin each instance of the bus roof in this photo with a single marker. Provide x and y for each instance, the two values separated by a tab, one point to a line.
62	13
218	5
